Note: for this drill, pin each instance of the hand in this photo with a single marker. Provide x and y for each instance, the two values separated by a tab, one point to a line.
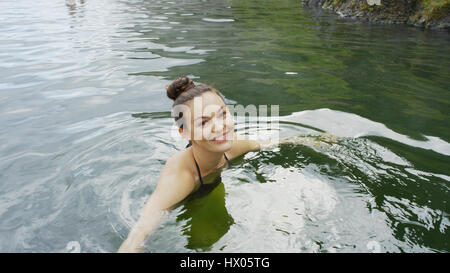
133	244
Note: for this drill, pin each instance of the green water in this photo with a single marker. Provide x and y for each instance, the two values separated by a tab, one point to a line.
86	127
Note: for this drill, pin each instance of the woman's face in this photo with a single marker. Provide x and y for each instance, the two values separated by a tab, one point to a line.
211	123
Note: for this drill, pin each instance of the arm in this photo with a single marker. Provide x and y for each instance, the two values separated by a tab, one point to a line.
242	145
319	140
173	186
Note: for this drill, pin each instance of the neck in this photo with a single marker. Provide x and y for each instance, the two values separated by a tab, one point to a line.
206	160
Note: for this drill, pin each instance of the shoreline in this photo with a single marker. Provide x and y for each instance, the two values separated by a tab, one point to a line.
428	14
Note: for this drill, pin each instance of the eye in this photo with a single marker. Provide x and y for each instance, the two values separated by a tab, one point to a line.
204	122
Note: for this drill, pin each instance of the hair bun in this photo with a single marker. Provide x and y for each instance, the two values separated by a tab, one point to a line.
179	86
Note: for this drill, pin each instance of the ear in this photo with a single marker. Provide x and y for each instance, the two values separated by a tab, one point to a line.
184	134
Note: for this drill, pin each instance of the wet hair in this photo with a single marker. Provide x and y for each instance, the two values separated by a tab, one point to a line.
182	90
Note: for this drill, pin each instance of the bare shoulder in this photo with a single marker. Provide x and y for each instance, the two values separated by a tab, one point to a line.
242	145
176	179
178	166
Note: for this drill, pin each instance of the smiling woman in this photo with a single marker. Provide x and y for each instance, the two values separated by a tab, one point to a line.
205	121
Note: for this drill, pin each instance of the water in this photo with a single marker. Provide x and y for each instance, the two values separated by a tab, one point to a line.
86	127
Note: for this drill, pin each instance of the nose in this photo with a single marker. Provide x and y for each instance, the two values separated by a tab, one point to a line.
219	124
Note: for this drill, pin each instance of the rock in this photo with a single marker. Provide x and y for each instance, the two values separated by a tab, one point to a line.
406	11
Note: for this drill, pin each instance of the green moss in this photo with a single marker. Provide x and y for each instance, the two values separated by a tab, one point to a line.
435	9
364	7
426	11
334	3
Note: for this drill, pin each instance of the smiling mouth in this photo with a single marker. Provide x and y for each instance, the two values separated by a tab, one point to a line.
220	139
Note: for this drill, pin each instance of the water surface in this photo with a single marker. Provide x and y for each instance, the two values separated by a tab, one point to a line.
86	127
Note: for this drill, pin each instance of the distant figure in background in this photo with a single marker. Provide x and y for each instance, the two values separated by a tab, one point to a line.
72	4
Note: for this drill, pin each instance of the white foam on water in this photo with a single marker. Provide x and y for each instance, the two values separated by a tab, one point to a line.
216	20
351	125
271	216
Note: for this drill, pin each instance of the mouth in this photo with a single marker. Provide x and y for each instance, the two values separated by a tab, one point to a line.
220	139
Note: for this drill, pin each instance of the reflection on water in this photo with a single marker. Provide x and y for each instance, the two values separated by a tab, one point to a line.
207	217
312	192
86	127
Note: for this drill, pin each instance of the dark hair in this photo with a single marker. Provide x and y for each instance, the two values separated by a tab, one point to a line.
183	89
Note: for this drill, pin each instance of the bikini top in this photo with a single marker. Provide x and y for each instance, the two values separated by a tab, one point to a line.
198	169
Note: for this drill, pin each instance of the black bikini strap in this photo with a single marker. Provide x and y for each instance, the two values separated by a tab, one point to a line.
198	170
228	161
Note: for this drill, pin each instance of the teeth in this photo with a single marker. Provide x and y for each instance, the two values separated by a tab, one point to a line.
222	137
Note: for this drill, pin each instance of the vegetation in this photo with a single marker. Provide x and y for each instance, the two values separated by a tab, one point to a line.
435	9
427	13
